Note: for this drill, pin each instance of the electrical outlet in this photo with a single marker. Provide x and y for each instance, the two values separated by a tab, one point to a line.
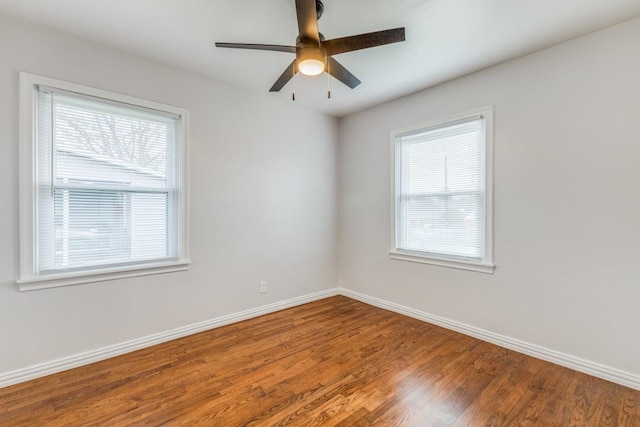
263	287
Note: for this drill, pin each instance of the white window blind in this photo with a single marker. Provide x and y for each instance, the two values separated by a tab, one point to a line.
440	190
107	181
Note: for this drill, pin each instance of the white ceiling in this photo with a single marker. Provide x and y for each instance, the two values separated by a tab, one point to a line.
445	38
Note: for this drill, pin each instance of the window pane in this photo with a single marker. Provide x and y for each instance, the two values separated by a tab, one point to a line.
109	142
91	227
440	190
110	193
95	227
149	228
450	225
438	161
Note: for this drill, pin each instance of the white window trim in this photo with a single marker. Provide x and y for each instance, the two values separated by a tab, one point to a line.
484	266
27	196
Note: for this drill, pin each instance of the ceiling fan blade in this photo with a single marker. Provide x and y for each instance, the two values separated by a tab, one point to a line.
307	20
363	41
274	47
339	72
287	75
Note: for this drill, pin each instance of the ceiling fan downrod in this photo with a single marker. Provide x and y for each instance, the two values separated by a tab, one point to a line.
319	9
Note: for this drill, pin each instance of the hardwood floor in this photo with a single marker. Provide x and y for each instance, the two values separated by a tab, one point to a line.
335	362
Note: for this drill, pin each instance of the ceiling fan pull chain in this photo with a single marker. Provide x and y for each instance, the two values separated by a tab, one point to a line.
293	70
328	80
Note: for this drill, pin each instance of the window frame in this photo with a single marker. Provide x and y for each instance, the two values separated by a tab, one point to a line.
486	264
29	279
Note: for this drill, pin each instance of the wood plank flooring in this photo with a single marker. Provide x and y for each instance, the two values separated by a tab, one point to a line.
334	362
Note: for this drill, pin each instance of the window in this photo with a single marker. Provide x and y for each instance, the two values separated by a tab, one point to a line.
442	201
102	185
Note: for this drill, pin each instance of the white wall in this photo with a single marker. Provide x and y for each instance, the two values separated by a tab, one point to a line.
263	205
567	201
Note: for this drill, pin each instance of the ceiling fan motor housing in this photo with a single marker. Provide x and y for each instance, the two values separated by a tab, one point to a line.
310	60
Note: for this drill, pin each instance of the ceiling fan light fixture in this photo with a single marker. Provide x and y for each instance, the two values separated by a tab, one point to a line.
311	67
311	61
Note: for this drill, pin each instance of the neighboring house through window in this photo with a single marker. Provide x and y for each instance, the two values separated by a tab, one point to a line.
103	185
442	198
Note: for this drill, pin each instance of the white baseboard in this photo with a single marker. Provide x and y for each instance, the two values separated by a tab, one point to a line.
588	367
608	373
65	363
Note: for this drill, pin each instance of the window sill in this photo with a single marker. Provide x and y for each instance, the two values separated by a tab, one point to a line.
444	262
77	278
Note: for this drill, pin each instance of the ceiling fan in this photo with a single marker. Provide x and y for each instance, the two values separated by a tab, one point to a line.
314	54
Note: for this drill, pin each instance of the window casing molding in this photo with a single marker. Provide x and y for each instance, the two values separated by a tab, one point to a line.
485	264
30	278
